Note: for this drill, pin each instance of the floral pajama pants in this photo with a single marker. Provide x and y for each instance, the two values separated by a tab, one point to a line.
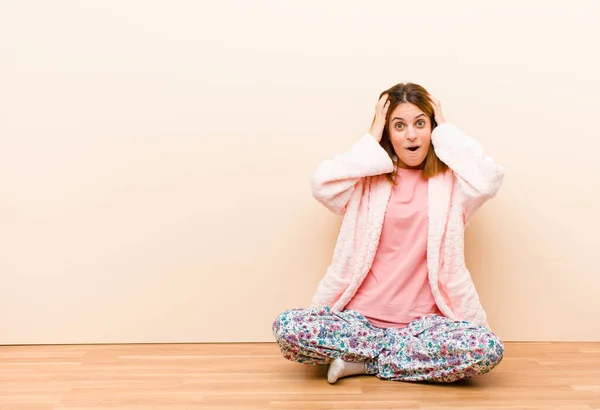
432	348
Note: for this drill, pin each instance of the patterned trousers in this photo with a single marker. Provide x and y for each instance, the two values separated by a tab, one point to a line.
432	348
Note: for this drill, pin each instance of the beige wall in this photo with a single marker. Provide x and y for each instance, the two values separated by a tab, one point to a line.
155	157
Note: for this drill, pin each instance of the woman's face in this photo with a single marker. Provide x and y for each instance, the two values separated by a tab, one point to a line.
410	134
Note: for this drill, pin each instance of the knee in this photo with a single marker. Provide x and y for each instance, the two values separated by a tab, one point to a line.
492	351
495	351
278	326
283	325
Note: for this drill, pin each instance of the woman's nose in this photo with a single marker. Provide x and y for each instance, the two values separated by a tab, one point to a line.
412	134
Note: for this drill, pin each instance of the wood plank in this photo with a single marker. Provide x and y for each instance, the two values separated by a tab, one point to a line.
540	376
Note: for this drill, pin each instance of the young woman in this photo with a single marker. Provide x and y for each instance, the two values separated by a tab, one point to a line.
397	300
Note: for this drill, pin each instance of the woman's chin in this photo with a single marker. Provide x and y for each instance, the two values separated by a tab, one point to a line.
408	164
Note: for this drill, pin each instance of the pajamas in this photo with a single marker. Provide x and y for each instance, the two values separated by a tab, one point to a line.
432	348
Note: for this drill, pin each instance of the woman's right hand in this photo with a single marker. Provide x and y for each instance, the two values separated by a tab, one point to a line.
381	110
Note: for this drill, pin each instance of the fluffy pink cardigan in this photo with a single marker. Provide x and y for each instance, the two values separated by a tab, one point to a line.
353	184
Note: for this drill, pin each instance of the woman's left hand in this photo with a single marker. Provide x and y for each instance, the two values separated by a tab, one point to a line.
437	109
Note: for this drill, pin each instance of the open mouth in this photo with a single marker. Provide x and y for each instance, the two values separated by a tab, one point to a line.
413	149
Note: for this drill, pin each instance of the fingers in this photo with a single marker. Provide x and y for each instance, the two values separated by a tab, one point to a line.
433	100
437	108
382	106
382	101
386	107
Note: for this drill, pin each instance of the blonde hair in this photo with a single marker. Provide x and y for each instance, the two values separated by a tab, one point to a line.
417	95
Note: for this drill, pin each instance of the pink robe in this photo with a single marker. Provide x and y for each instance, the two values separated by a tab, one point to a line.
353	184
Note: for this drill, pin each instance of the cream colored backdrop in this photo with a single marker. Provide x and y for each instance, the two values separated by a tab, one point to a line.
155	157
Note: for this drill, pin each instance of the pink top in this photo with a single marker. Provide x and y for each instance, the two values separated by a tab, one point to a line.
396	291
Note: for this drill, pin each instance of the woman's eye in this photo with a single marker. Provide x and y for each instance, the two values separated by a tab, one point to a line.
420	122
398	125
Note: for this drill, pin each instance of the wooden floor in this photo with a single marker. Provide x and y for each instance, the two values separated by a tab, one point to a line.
533	376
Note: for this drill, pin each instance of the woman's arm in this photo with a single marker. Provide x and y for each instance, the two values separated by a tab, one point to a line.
479	177
335	179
